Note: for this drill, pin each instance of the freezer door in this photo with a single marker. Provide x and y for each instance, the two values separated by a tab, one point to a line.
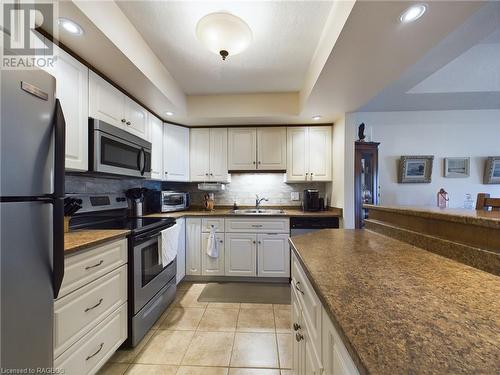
26	133
27	303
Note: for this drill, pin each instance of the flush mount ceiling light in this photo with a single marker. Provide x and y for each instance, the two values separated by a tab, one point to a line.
413	13
316	118
70	26
168	113
223	33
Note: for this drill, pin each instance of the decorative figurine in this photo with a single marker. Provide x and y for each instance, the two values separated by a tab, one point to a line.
361	132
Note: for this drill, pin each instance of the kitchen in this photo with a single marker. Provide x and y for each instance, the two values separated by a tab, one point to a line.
191	202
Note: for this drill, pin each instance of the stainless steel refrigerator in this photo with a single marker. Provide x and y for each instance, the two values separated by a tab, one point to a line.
32	141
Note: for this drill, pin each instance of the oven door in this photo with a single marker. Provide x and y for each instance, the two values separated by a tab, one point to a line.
149	274
119	156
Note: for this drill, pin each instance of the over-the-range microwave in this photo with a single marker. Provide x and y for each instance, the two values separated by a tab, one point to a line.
115	151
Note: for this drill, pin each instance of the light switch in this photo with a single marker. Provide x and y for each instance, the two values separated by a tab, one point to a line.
294	196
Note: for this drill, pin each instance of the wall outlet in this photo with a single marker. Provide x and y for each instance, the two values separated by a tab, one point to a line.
294	196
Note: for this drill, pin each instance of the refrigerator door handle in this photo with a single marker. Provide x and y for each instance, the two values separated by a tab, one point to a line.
59	150
58	241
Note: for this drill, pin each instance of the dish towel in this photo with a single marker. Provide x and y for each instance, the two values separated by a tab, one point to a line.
212	249
169	243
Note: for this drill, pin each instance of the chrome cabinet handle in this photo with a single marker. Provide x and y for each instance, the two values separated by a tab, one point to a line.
256	225
95	265
166	172
211	174
259	162
253	162
259	242
206	174
297	287
93	307
253	241
97	352
221	241
296	326
299	337
128	122
123	120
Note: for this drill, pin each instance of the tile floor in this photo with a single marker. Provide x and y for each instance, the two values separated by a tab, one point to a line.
197	338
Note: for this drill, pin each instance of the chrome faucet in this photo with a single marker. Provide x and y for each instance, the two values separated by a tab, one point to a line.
258	201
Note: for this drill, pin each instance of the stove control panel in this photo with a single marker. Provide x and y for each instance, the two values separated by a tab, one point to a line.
100	202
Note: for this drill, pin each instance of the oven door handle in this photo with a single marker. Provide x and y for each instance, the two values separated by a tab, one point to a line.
147	237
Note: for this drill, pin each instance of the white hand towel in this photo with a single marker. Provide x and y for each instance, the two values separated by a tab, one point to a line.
212	248
169	243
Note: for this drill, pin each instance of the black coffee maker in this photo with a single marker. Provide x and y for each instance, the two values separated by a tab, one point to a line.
311	200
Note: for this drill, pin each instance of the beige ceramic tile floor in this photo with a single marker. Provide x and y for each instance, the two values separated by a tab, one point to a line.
198	338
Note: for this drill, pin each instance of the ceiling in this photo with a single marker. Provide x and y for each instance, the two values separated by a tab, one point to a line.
307	58
285	36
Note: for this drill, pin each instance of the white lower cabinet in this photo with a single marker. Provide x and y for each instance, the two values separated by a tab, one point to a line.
90	316
193	246
241	254
273	255
212	266
181	249
317	348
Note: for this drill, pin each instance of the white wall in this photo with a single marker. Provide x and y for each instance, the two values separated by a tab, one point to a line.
474	134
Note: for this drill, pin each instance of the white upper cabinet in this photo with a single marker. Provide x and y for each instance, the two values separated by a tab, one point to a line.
72	91
208	154
242	153
156	126
309	153
136	119
257	148
175	153
271	148
106	103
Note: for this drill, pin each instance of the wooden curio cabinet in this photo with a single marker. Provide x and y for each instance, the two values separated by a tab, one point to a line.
365	179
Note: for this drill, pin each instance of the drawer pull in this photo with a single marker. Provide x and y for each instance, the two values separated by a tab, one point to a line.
221	241
299	337
296	326
297	287
97	352
93	307
95	265
256	225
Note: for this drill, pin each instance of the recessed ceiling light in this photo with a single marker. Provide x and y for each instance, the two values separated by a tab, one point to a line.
70	26
413	13
224	34
317	117
168	113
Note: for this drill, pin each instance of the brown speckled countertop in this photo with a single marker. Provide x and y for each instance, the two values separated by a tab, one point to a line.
490	219
85	238
401	309
226	211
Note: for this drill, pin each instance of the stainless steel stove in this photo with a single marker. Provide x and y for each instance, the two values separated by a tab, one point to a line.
151	286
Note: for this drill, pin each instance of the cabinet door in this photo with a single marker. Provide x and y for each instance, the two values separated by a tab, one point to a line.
271	148
72	85
320	153
156	147
242	149
297	161
240	257
181	250
273	255
199	152
193	246
212	266
176	153
312	363
106	103
336	358
297	347
137	119
218	155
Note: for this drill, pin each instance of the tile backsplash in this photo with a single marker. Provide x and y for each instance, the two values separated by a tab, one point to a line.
244	186
241	189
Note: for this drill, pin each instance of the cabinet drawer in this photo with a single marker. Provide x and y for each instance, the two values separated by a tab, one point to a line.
309	303
78	312
258	225
89	354
217	222
82	268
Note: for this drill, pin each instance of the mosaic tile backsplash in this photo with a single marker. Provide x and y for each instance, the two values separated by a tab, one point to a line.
241	189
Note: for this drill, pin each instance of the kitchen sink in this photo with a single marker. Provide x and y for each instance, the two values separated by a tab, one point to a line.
261	211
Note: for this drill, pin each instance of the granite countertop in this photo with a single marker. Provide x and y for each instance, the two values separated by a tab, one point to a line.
226	211
490	219
85	238
401	309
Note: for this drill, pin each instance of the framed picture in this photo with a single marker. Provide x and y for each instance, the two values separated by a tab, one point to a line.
492	170
415	169
457	167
